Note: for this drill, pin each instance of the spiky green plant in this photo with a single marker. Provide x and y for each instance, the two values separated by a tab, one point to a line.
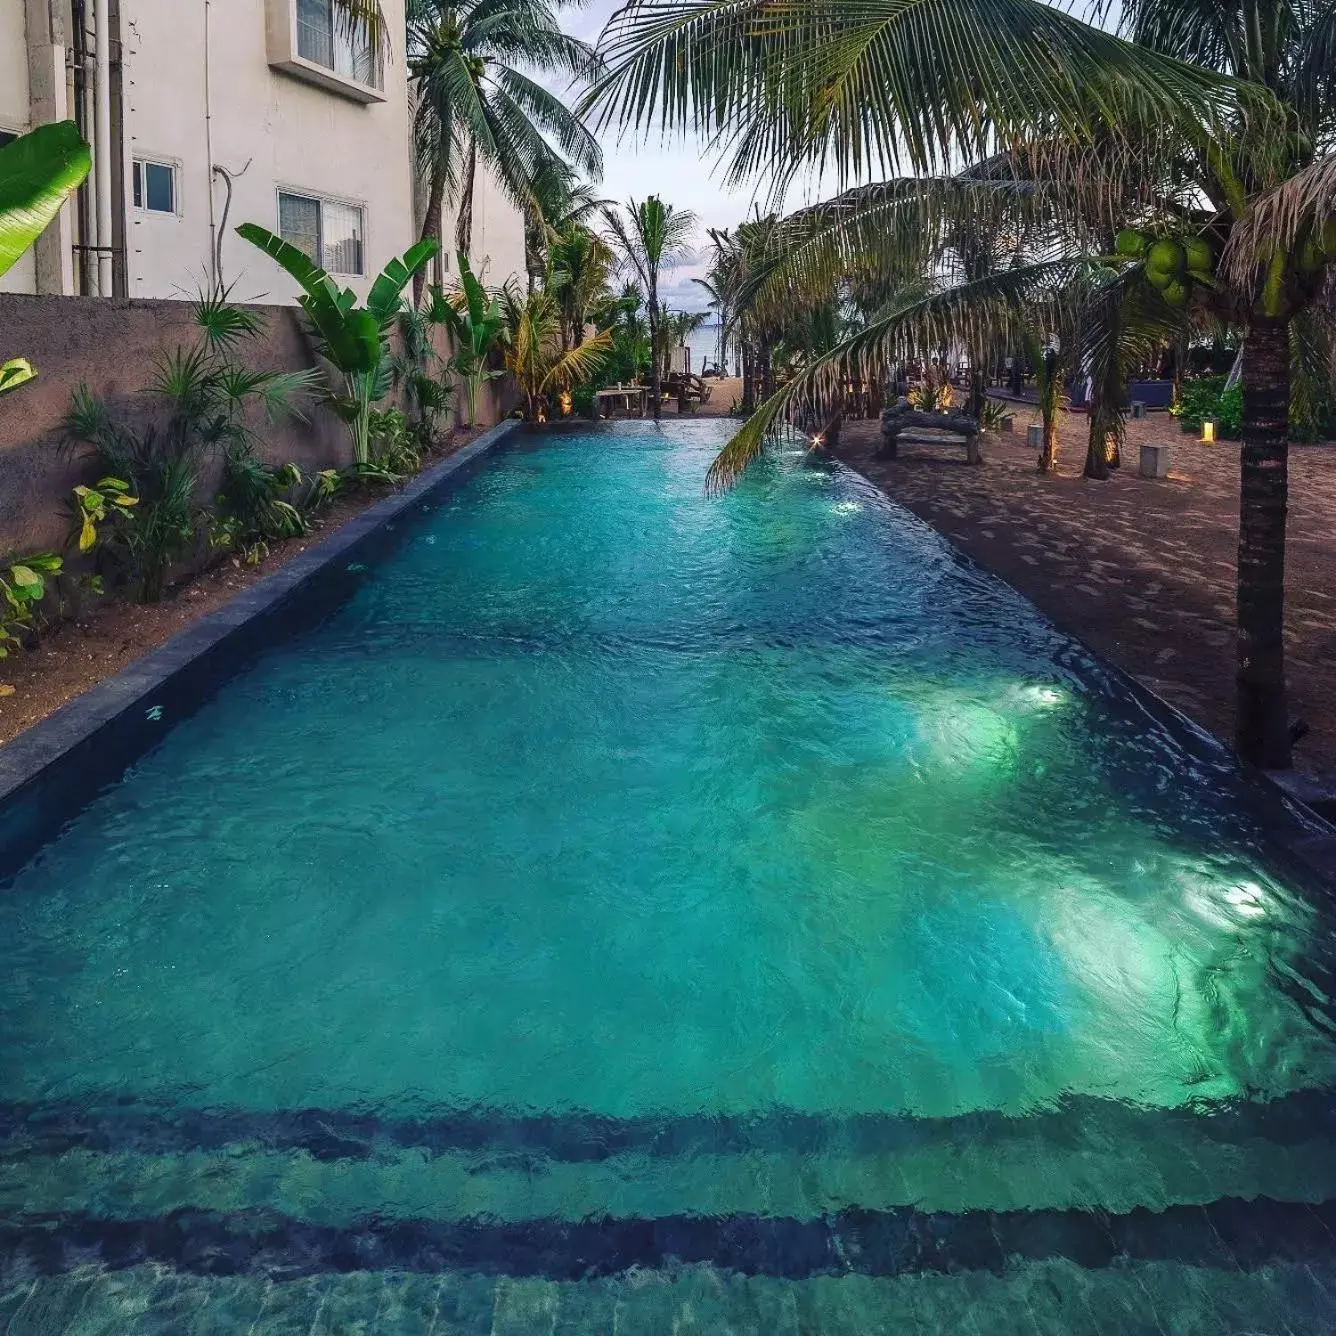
477	326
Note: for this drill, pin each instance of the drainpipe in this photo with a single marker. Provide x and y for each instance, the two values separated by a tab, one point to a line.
102	142
215	241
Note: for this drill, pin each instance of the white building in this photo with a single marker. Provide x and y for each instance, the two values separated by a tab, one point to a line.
189	101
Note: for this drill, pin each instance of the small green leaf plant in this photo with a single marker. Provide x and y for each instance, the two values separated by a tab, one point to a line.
477	325
23	586
107	501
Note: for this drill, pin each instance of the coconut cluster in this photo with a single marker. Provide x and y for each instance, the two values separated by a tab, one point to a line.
1172	264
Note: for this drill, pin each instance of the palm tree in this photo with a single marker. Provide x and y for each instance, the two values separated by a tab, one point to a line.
649	236
676	328
559	201
581	263
537	355
472	102
1210	126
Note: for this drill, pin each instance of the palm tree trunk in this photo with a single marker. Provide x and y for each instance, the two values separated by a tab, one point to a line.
654	382
748	378
464	223
978	396
1261	728
1048	456
431	225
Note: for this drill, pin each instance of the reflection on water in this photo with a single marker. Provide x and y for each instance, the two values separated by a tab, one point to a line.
598	796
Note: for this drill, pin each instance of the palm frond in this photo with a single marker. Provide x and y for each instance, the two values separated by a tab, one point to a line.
1305	204
876	86
578	365
998	308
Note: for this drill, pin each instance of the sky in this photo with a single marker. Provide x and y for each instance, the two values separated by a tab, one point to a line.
679	172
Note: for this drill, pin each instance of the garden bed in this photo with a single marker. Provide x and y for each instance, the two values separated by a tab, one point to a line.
114	631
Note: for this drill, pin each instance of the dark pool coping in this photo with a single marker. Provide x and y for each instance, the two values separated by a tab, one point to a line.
80	725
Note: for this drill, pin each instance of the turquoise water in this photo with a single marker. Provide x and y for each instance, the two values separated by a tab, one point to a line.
597	800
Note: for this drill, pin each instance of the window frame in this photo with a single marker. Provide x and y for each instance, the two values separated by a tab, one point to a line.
138	162
322	199
284	51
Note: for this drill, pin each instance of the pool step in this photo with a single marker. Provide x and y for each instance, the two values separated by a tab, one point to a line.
1041	1299
332	1166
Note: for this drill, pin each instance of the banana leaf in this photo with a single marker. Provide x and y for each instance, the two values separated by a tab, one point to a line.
14	373
37	173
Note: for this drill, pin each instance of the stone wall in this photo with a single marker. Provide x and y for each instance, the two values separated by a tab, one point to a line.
112	346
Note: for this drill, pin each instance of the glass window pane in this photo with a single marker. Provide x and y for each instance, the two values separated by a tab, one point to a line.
7	137
159	188
353	57
315	31
343	239
299	223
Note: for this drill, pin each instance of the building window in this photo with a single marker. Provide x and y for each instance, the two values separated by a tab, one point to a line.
330	233
327	39
154	186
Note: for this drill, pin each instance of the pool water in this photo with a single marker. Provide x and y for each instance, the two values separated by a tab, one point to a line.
623	911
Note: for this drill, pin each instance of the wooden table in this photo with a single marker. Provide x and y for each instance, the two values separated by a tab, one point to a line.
625	393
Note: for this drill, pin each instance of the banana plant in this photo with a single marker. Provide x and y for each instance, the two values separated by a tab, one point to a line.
477	326
38	172
354	339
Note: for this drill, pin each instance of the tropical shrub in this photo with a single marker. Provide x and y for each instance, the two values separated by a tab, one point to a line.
23	586
353	339
935	394
260	503
395	447
422	373
202	397
477	326
1208	398
535	355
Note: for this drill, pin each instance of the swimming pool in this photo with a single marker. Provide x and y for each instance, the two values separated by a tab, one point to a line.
607	910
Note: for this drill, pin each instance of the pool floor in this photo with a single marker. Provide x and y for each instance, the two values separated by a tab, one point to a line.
617	911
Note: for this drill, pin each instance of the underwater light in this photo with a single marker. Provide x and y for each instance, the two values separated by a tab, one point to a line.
1041	697
1247	899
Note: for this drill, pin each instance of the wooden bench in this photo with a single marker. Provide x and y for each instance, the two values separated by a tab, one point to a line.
929	429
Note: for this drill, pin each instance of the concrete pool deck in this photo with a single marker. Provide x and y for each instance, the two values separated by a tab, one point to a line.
1142	571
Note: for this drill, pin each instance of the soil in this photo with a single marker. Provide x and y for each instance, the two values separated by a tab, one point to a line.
1143	571
111	633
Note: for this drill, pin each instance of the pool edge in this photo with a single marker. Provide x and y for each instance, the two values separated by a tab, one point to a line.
51	743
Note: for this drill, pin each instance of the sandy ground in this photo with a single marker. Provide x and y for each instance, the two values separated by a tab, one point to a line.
1142	571
109	633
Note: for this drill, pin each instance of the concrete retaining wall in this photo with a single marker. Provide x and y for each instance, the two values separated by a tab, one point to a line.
112	346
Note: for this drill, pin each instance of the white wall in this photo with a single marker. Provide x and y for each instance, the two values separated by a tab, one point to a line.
498	235
293	134
14	114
